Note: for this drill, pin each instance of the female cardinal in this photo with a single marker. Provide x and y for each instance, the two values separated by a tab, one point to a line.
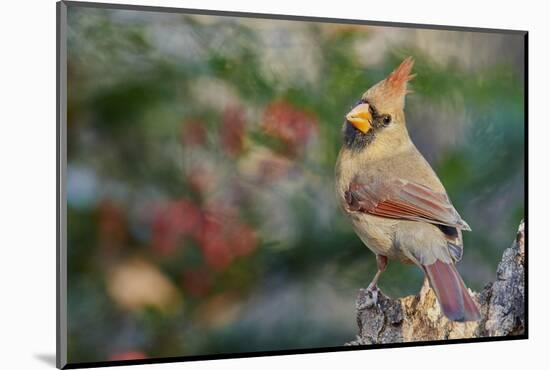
396	202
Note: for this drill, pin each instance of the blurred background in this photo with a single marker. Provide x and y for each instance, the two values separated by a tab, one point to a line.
201	212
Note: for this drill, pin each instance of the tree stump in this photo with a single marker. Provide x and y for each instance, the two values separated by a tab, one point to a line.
419	318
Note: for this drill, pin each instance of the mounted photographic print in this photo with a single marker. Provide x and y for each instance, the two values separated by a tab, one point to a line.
235	184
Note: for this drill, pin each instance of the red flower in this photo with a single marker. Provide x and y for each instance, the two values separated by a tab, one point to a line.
233	130
224	238
294	127
215	248
218	232
172	222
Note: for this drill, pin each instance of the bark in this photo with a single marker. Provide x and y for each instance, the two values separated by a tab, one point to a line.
419	318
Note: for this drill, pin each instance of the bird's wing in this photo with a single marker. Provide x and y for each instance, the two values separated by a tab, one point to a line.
405	200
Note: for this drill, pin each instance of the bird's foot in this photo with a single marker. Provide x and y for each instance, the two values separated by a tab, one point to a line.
371	296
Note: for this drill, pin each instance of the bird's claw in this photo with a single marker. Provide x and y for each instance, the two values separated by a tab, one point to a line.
371	296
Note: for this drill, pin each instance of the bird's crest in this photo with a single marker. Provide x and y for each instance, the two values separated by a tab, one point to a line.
397	80
393	89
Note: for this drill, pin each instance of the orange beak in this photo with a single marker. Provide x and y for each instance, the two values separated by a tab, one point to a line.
360	117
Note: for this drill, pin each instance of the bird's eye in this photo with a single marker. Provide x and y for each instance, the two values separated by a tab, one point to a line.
386	119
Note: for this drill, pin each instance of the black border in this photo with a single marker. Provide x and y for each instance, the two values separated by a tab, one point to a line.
59	190
526	179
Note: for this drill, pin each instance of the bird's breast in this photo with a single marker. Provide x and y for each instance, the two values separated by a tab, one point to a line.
377	233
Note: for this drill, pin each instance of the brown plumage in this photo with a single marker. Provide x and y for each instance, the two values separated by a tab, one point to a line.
396	203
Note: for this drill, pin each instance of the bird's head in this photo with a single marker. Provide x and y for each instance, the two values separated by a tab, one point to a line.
379	114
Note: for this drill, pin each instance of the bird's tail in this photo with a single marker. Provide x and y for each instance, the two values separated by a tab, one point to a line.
453	297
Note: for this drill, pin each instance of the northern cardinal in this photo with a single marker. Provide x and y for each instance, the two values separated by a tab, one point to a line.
396	202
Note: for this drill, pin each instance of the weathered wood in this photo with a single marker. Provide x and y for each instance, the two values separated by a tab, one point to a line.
419	318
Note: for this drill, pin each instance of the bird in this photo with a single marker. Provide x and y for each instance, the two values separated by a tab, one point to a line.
397	204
